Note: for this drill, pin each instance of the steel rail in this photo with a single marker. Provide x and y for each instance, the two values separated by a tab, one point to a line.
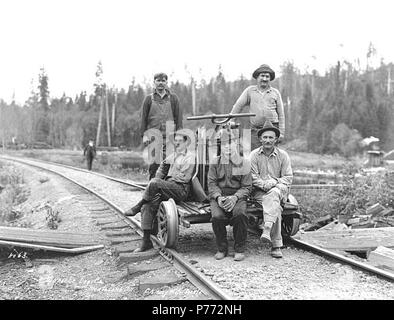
342	258
140	186
174	254
143	185
316	186
193	275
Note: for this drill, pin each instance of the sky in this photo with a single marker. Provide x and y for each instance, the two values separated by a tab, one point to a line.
135	39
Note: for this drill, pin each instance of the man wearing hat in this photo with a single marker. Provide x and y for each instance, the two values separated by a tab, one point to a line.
263	100
172	180
272	177
158	108
229	185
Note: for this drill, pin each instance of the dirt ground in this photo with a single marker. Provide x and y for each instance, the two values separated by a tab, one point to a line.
299	275
57	276
92	275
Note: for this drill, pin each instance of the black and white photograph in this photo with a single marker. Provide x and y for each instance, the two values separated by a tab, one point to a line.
193	156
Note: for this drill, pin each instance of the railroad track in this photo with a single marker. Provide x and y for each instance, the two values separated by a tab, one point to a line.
197	278
361	265
194	276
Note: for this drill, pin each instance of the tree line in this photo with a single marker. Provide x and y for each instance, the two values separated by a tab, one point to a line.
327	113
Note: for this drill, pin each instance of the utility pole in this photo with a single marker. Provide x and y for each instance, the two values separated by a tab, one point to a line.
2	128
107	116
313	86
389	81
193	96
100	120
346	80
289	115
113	113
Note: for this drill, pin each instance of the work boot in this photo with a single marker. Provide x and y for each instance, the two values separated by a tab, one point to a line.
276	253
134	210
239	256
155	228
266	235
220	255
146	243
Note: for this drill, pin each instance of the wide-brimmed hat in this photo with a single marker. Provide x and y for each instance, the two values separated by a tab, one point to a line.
172	135
264	68
268	127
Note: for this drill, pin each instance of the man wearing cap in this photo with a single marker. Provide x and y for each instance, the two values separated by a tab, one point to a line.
263	100
172	180
272	177
229	185
158	108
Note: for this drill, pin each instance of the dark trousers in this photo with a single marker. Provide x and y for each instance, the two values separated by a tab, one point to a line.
237	218
156	164
152	170
89	161
159	190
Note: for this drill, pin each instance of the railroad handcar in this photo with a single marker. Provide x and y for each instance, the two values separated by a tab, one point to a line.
196	209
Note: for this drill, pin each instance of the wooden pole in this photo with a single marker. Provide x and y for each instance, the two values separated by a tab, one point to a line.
194	97
389	81
2	128
99	122
113	114
289	132
346	80
107	116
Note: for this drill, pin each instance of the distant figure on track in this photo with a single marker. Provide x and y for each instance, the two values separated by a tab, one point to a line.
158	108
90	153
229	185
272	177
263	100
172	180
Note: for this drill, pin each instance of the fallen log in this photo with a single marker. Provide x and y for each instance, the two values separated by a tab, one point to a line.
319	222
333	226
374	209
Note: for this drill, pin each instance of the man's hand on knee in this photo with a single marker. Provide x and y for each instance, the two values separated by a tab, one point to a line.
269	184
229	203
221	200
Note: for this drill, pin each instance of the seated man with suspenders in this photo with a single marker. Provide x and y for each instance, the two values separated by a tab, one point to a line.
172	180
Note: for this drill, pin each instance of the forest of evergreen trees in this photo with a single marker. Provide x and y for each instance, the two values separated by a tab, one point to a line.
327	113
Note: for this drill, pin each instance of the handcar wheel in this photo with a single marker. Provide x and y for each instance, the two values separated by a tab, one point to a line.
290	226
168	225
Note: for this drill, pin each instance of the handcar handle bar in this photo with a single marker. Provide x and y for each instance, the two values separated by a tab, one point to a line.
227	117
